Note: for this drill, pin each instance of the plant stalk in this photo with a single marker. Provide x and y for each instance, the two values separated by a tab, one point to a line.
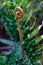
20	36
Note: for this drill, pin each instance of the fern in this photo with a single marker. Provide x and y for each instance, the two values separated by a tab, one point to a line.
29	40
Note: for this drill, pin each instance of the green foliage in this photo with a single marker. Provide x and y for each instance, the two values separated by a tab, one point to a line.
9	21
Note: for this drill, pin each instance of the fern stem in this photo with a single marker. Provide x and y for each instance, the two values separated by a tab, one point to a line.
20	36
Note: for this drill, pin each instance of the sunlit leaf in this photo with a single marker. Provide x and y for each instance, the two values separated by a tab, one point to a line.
39	48
31	35
29	16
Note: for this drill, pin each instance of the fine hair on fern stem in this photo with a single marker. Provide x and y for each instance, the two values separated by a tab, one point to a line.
19	14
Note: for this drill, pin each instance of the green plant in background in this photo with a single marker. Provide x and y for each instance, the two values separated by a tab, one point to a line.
14	56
